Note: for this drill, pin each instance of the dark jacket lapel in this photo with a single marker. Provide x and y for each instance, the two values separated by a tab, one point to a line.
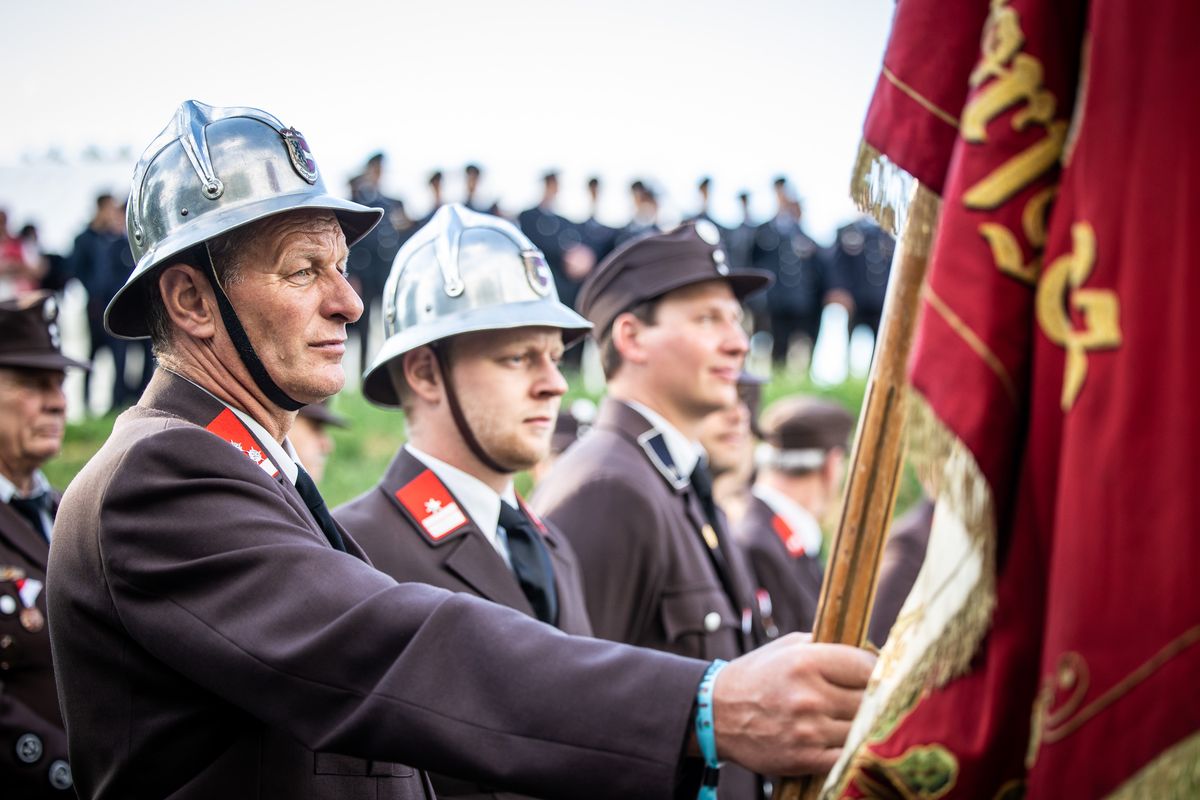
18	534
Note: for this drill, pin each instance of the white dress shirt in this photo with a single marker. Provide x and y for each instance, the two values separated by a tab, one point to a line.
803	524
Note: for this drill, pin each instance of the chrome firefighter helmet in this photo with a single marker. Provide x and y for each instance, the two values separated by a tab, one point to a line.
464	272
212	170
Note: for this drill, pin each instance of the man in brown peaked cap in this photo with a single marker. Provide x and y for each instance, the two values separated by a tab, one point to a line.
635	496
33	744
800	464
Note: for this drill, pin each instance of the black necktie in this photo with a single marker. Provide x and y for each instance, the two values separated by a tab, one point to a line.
31	508
312	498
530	563
702	485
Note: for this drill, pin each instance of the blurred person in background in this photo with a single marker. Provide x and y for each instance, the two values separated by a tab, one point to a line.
703	188
903	555
728	437
561	243
92	264
645	214
434	182
802	276
372	258
310	437
861	260
574	420
800	462
741	256
126	389
33	743
595	234
36	263
472	177
19	273
552	234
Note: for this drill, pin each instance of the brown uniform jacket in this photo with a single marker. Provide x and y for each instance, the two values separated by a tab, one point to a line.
791	578
462	560
903	556
210	643
29	712
647	573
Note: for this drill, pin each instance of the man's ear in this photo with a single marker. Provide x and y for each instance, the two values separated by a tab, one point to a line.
421	371
189	301
628	335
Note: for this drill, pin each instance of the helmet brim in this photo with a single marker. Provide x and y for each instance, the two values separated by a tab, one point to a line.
126	316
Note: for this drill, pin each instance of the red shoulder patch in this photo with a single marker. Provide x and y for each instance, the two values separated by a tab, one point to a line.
230	428
789	538
431	505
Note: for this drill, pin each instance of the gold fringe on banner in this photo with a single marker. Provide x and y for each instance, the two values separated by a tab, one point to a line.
949	612
880	188
1173	775
948	468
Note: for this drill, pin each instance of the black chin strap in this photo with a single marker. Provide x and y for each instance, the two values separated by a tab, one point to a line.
241	342
459	420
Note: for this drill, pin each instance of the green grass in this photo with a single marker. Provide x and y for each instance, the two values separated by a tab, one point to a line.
364	450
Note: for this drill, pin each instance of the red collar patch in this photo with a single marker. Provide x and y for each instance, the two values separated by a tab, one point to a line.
789	537
430	503
537	522
231	429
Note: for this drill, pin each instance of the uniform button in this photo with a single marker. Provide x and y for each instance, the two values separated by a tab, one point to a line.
8	605
29	748
712	621
60	774
5	641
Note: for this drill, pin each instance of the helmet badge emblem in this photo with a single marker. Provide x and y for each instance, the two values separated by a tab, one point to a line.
537	272
302	157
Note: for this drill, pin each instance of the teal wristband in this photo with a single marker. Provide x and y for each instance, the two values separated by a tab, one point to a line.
705	735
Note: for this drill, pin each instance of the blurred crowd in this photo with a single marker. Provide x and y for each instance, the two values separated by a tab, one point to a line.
851	271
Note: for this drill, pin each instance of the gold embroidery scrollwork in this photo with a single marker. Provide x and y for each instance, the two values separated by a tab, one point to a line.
1006	250
923	772
1060	289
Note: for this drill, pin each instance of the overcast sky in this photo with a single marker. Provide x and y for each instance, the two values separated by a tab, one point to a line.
663	90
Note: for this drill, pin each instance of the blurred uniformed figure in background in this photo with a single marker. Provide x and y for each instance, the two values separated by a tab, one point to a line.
599	237
728	437
802	276
311	438
704	189
369	262
800	462
554	235
861	260
575	419
903	555
635	496
645	214
477	378
33	413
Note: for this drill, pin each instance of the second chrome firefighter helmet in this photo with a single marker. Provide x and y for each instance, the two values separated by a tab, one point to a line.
464	272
